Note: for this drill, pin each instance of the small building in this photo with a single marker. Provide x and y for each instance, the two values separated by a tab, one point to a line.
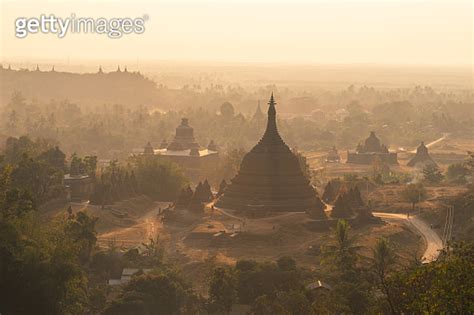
127	275
333	156
78	187
370	151
318	285
422	157
186	152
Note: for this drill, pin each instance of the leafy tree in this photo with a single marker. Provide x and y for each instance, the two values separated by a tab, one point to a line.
38	264
43	181
158	178
414	193
257	279
148	175
432	174
457	173
77	166
230	164
295	302
222	290
227	110
150	294
54	157
286	263
90	165
470	162
265	305
153	253
440	287
81	229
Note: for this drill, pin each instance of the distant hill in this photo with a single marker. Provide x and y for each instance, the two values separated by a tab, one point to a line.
90	89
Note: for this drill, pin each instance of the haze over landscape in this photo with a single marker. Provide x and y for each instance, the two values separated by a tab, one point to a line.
238	157
297	32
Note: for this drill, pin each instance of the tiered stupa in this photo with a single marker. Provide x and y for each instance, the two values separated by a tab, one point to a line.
370	151
270	177
184	150
422	157
184	139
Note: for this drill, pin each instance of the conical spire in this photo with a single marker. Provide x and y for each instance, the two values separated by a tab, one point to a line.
271	132
258	115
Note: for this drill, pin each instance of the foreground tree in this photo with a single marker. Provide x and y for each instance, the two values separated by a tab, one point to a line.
152	294
350	293
457	173
383	263
440	287
222	291
40	270
432	174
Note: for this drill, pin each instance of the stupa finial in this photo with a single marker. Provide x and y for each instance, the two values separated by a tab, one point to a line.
271	133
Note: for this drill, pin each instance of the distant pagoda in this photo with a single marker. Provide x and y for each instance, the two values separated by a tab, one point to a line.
333	156
270	177
422	157
196	162
148	150
184	139
370	151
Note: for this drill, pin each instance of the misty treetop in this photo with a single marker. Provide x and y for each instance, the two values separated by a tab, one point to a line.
228	115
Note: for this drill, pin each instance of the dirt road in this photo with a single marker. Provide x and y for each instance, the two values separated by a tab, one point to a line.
433	241
147	227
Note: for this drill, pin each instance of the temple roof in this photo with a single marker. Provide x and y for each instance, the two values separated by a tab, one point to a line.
148	149
184	138
372	145
421	157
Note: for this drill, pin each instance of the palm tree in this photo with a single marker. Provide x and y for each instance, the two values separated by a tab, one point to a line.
350	285
343	251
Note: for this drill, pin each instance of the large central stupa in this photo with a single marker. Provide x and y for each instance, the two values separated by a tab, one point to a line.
270	177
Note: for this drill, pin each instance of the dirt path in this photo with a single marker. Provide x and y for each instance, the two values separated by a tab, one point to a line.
148	226
433	241
287	214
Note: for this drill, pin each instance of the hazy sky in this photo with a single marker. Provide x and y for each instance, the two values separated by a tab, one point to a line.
390	32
